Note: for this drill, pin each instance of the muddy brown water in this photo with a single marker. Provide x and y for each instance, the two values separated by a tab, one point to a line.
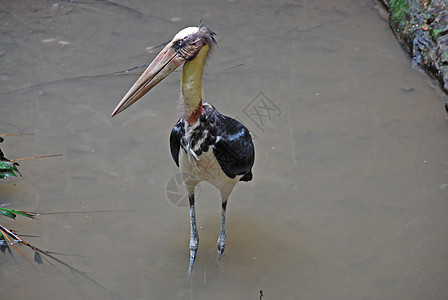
350	192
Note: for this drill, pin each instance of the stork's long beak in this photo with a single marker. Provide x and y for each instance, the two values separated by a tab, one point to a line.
164	63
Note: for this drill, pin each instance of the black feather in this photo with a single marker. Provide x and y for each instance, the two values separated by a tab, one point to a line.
176	134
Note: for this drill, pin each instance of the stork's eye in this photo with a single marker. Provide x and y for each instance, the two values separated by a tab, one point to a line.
180	43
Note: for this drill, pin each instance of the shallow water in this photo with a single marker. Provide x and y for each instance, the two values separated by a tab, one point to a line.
349	197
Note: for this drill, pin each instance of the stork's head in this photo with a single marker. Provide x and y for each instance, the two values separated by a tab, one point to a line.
185	46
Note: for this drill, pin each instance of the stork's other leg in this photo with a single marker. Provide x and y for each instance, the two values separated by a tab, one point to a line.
222	235
194	237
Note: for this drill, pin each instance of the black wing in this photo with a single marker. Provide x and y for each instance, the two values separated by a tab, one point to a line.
231	141
234	148
176	135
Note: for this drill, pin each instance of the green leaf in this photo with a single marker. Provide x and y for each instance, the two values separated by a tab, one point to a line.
8	169
8	214
6	165
7	173
11	213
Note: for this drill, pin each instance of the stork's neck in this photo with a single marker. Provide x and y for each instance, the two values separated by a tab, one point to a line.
192	86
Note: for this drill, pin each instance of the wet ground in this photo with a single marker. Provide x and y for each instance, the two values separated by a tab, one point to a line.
350	189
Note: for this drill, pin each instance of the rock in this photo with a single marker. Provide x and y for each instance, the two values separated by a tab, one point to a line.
421	26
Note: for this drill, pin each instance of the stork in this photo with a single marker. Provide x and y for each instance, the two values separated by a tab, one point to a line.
205	145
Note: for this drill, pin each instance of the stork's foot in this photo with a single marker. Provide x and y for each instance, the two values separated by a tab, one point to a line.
221	244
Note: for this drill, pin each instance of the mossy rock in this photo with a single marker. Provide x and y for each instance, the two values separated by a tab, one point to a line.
421	26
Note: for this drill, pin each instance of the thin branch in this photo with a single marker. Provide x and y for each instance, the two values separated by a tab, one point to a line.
34	157
45	253
17	239
16	134
89	211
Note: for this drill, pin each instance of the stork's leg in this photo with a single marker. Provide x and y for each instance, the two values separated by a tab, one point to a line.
222	235
194	237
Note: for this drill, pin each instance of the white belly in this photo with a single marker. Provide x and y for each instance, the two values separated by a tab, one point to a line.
205	168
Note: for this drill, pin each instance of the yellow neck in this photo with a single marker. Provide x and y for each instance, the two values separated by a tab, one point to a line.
192	81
